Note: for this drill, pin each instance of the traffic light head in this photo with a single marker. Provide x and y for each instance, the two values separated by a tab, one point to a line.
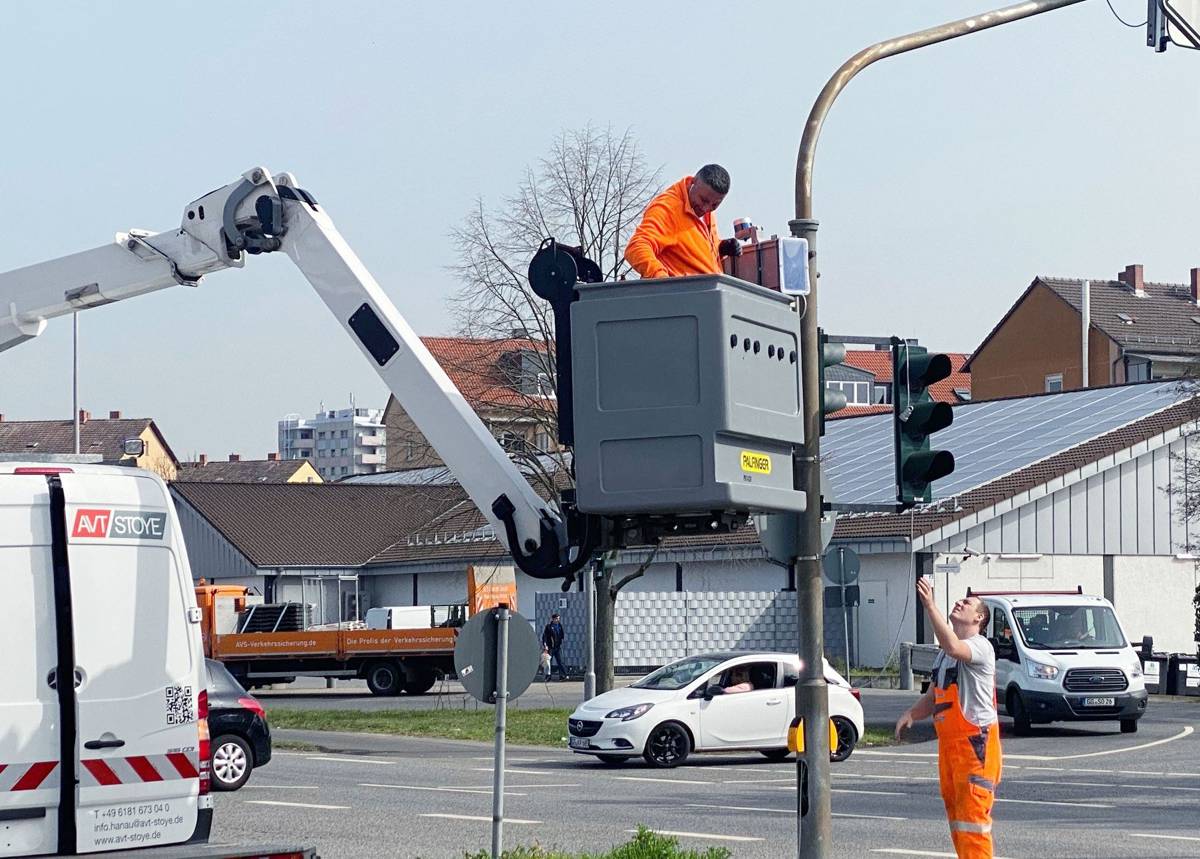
830	354
916	416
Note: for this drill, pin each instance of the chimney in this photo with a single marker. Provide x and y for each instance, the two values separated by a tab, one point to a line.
271	457
114	416
204	459
235	457
1132	278
1	418
84	416
1195	295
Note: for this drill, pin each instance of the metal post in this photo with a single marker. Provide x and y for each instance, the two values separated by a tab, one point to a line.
813	830
589	589
906	675
501	723
75	373
845	607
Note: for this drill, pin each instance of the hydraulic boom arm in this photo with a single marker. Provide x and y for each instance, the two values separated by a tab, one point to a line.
262	213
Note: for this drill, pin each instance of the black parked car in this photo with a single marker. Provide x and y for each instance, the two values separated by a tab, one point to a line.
241	739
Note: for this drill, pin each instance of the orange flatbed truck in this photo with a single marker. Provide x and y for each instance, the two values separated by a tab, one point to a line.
390	660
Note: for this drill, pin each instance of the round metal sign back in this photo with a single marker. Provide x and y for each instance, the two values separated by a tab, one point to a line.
475	655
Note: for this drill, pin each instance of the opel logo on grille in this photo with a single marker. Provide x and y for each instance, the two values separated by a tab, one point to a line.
577	724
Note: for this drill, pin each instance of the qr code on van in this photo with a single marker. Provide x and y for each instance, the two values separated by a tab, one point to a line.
180	705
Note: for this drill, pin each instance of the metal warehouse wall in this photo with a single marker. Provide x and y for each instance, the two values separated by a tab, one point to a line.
210	554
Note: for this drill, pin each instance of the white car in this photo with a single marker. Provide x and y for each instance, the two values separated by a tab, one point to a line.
690	706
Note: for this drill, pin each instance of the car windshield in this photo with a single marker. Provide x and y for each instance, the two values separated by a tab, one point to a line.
679	674
1069	627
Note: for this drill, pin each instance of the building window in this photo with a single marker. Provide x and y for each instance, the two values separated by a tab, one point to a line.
306	433
857	393
345	434
1053	383
883	394
307	452
344	469
320	435
1137	371
410	451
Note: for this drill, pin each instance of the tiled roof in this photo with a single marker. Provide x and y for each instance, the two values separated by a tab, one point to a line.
473	365
1164	319
242	471
317	524
96	435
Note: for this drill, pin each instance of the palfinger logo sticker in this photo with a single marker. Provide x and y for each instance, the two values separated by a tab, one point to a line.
101	524
755	463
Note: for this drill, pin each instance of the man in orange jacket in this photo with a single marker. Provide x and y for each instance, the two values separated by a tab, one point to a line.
678	233
962	701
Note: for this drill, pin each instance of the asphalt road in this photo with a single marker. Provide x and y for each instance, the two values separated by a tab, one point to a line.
1067	792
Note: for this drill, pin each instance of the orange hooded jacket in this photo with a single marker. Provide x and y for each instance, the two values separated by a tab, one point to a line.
671	241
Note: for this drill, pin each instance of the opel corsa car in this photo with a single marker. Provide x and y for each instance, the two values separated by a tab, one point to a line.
704	703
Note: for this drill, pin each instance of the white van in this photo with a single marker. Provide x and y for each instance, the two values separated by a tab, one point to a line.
96	586
1063	657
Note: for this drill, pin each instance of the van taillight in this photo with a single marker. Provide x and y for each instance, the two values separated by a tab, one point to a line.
205	742
41	469
857	695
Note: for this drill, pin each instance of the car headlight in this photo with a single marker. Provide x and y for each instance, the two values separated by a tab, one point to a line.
627	713
1135	670
1040	670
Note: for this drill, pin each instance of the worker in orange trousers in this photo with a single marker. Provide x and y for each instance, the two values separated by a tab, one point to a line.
962	701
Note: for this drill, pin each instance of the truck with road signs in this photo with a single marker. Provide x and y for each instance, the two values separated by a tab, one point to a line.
268	643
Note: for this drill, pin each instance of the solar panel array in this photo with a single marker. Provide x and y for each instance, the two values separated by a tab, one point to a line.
988	439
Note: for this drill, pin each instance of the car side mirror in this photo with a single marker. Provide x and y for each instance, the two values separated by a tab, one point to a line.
713	691
1006	650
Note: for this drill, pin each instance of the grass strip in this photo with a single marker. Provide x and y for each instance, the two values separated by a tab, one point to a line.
645	845
526	727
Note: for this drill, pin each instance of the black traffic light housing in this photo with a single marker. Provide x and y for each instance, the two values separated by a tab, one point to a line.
829	354
915	416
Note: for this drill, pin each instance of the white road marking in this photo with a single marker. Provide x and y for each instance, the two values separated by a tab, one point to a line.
486	790
295	804
863	752
896	851
867	816
354	761
741	808
1164	837
758	780
279	787
1053	802
480	819
1008	757
667	780
516	772
706	835
888	777
868	792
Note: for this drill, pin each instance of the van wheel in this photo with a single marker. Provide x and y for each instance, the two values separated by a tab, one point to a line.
420	681
1129	726
231	762
847	738
668	745
1020	716
384	678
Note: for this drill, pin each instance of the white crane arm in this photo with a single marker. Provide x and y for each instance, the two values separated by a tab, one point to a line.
263	213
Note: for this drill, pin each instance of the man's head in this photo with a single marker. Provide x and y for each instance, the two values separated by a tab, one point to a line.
970	615
709	187
554	617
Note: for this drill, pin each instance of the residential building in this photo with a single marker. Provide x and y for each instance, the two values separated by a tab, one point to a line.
238	470
338	443
1051	492
1137	331
105	437
865	377
507	382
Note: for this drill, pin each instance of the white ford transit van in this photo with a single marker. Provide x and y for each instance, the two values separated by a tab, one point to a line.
1063	657
101	668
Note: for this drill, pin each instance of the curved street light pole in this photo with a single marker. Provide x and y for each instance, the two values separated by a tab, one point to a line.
813	810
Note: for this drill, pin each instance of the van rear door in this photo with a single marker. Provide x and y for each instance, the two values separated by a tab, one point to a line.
30	771
137	656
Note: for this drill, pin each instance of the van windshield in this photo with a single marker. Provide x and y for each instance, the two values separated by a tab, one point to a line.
1069	627
679	674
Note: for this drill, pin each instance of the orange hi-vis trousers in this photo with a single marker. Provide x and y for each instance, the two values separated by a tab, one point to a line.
969	770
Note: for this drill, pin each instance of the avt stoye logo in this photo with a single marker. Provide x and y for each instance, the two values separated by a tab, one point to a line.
99	524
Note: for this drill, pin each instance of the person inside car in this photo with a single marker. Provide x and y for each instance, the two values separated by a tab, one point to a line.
738	680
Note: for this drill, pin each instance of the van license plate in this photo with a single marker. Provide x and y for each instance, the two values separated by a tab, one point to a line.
1099	702
577	742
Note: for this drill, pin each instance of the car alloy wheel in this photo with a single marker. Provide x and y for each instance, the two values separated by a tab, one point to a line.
846	738
230	762
668	745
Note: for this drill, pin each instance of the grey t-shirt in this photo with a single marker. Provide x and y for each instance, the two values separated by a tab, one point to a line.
976	680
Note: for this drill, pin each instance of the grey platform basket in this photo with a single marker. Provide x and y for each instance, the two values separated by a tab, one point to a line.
687	397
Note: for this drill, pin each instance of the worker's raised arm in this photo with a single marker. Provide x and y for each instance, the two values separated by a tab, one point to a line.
652	235
947	638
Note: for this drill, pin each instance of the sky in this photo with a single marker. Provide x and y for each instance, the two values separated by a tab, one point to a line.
945	181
